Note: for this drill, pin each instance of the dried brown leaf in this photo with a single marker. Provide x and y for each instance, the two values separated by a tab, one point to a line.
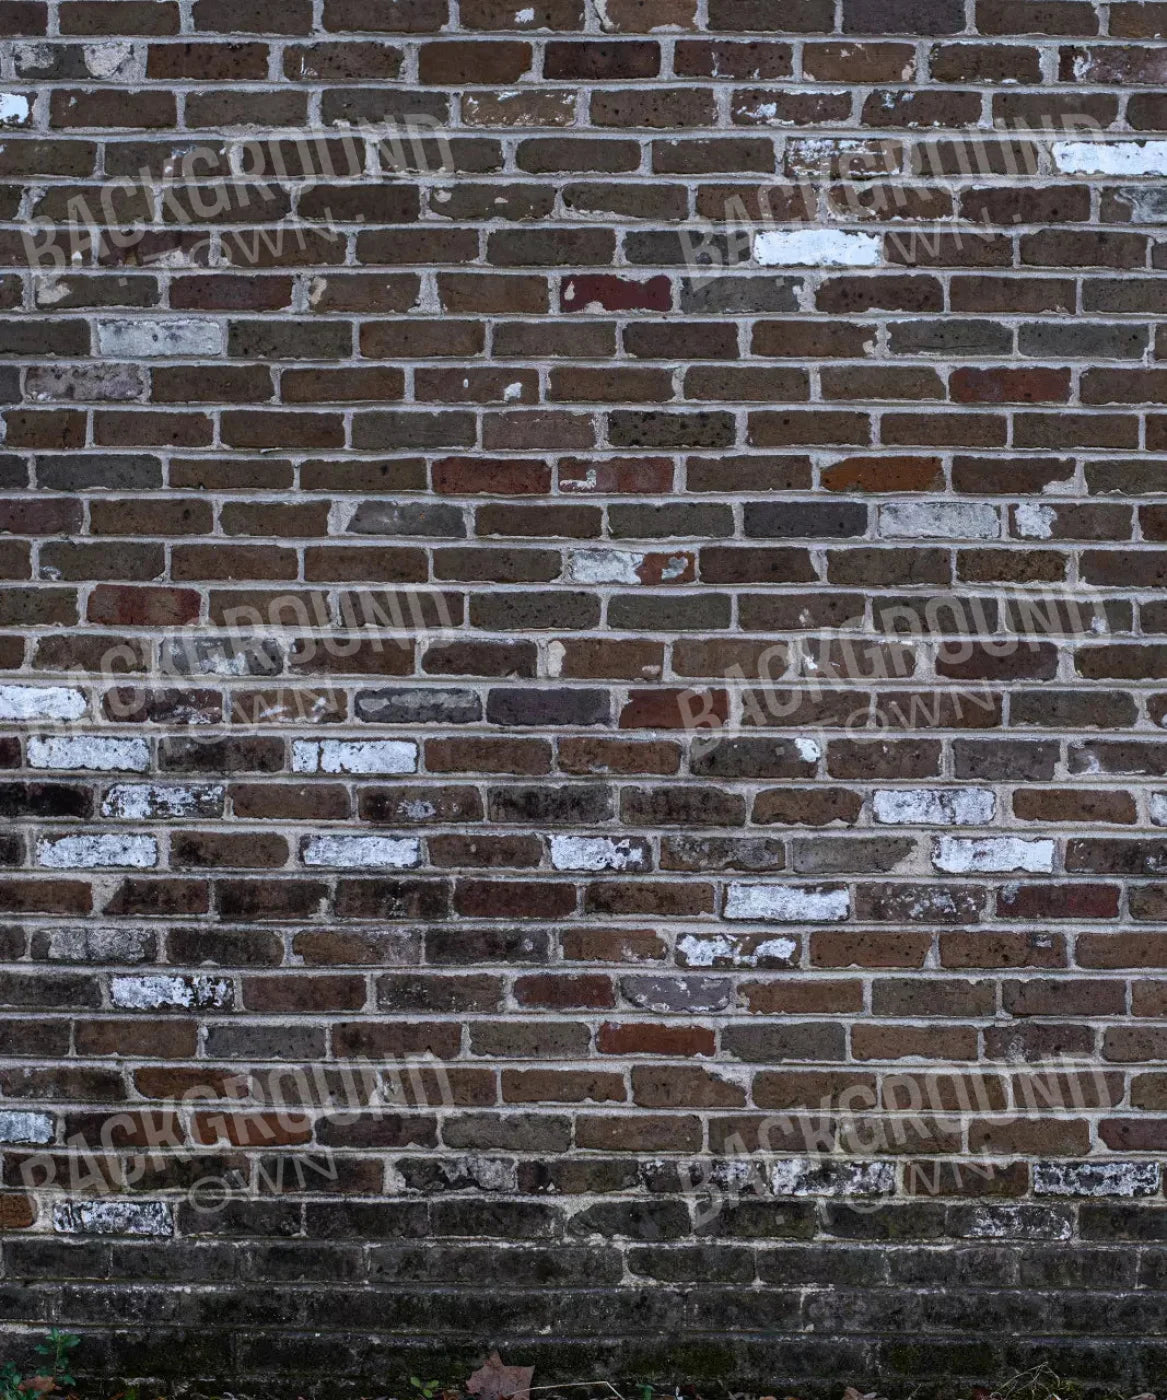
495	1381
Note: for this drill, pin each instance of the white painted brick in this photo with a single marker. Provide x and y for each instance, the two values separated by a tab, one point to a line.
156	992
86	852
786	904
707	950
819	1176
112	1218
735	1174
139	338
1110	157
1095	1178
598	853
19	702
986	855
363	852
115	943
939	520
14	109
148	801
626	566
1015	1220
1159	808
17	1126
934	806
784	949
90	752
354	756
119	62
817	247
1033	521
604	566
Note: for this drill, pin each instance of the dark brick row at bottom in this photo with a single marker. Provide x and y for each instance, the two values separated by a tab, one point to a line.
46	1263
696	1308
350	1317
756	1357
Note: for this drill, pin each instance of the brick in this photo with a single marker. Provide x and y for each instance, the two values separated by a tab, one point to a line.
20	703
818	248
934	806
93	754
511	615
786	904
961	856
88	852
146	1218
354	756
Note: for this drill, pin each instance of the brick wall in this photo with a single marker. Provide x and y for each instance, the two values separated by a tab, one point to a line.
585	666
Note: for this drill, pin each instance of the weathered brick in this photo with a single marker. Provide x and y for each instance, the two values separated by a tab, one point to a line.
775	601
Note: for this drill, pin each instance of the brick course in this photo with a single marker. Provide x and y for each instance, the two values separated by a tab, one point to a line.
581	641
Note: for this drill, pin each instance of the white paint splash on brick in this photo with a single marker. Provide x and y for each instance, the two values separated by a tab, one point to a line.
89	752
85	852
1159	808
986	855
1110	157
114	62
18	702
354	756
112	1218
146	801
115	943
363	852
603	566
142	339
597	853
158	992
817	247
1035	521
49	290
16	1126
786	904
934	806
186	655
1095	1178
1147	203
1016	1221
28	57
14	109
705	950
808	750
940	520
814	1176
785	949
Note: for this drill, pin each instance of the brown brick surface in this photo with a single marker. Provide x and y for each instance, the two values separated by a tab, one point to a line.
582	670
